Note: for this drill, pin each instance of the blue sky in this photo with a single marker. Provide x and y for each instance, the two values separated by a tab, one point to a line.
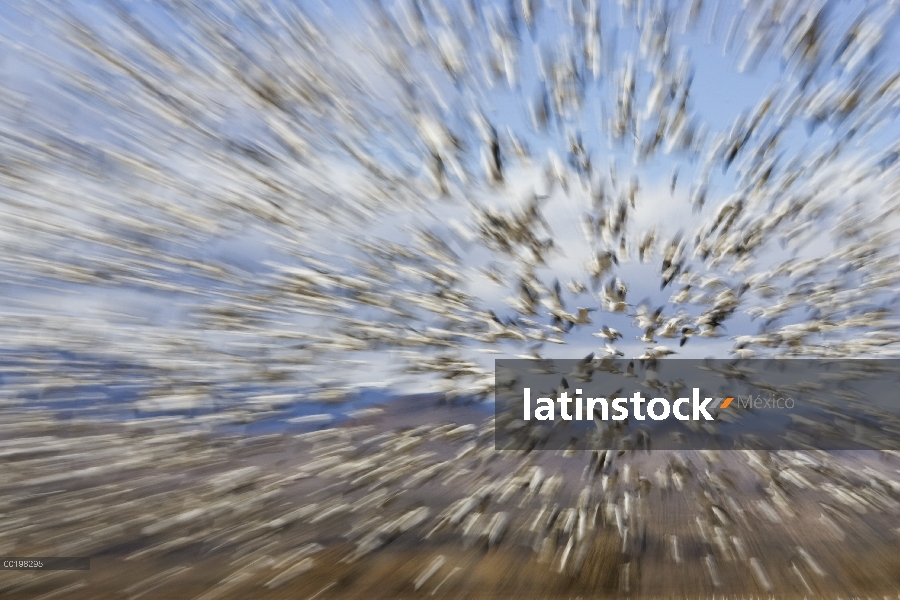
718	95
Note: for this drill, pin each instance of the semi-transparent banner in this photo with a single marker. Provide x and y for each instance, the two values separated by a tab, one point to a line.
672	404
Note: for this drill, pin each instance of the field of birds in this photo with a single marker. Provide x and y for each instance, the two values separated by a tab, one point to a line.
258	257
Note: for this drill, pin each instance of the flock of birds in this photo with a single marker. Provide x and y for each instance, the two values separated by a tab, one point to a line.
164	508
215	212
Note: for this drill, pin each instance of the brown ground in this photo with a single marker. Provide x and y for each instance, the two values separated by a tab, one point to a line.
865	563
